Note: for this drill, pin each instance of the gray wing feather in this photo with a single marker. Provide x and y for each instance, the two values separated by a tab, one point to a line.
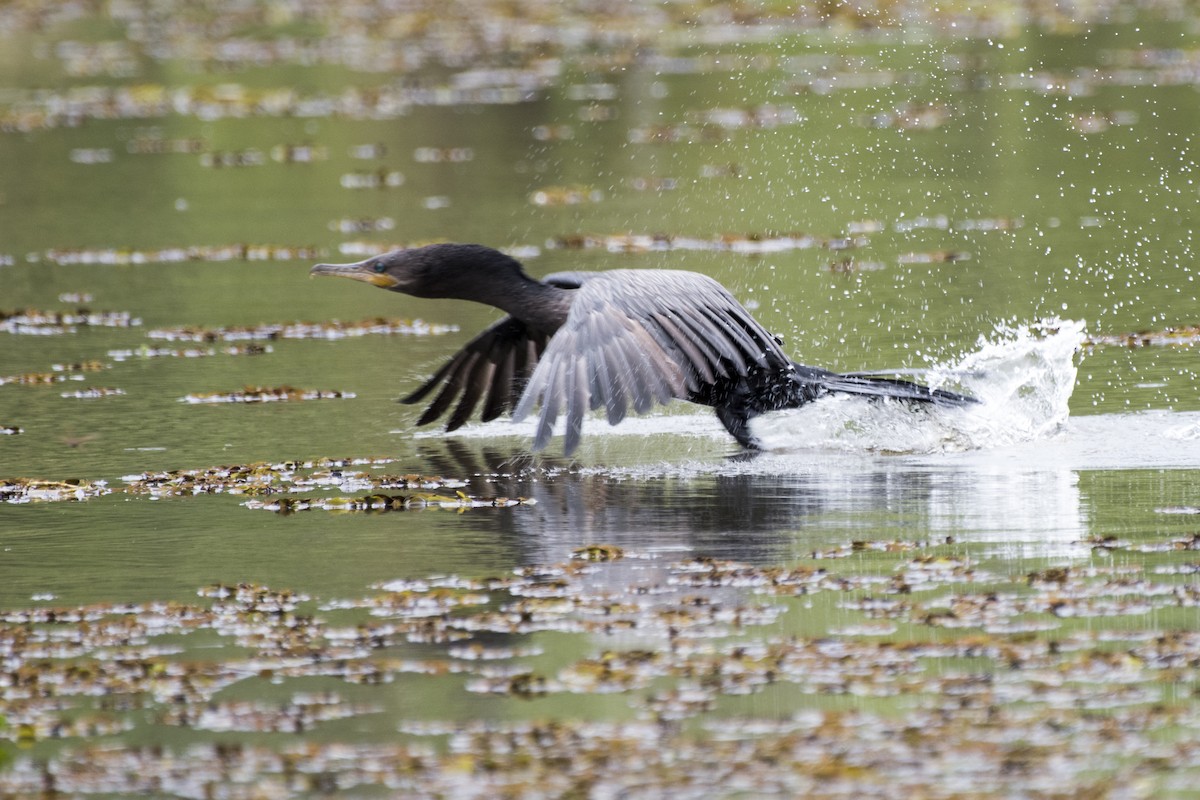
634	338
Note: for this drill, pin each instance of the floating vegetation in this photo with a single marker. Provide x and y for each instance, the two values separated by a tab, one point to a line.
385	502
850	265
171	255
990	224
335	329
249	157
714	124
377	179
362	225
443	155
598	552
1184	335
935	257
302	713
154	143
731	170
194	352
368	152
910	117
653	184
281	481
650	243
38	378
290	476
49	109
553	133
766	116
80	366
266	394
33	490
364	249
35	322
1011	684
673	134
92	155
94	393
299	153
1098	122
565	196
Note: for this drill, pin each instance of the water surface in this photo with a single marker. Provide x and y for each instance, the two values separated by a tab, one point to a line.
989	207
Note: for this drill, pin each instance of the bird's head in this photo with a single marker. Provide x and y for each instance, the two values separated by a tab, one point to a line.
436	270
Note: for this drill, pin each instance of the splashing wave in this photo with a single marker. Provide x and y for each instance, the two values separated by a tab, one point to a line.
1023	376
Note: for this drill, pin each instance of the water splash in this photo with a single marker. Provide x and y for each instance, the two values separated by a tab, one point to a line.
1023	376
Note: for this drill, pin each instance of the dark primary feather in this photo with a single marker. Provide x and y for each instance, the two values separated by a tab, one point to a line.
496	363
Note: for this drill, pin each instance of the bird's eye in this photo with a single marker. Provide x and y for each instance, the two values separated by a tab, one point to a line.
379	266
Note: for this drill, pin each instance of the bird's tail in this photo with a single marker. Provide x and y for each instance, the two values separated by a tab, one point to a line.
896	388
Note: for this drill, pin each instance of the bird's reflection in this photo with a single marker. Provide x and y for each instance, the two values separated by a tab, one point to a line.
762	511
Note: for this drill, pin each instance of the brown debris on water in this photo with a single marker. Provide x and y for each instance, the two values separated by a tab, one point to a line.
1180	336
194	352
935	257
34	490
263	478
94	393
31	321
333	329
1100	121
266	394
362	224
229	159
749	244
386	502
551	196
910	117
598	552
242	251
58	373
970	677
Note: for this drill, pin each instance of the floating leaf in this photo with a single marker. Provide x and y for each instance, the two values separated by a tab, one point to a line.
266	394
1178	336
94	393
335	329
27	490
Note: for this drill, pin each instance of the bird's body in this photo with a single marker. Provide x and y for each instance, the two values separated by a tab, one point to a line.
619	340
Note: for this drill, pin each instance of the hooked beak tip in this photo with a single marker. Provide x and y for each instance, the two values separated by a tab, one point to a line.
355	272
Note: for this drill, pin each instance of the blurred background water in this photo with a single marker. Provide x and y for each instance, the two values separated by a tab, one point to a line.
907	197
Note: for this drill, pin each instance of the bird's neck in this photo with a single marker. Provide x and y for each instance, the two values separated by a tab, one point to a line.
539	305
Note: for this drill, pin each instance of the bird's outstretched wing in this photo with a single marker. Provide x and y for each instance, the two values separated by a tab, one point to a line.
494	366
634	338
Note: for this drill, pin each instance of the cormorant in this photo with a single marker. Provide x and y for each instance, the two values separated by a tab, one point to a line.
623	338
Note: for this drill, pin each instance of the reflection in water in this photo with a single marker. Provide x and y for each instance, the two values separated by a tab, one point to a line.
1026	513
773	507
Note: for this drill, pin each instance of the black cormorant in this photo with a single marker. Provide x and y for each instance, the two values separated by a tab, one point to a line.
617	339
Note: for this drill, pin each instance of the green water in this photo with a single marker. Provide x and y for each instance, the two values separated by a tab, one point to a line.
1044	172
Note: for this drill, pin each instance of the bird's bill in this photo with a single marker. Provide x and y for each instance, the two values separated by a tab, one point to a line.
359	271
